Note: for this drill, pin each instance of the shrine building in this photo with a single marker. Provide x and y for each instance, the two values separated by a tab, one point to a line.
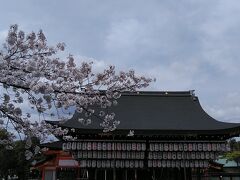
161	135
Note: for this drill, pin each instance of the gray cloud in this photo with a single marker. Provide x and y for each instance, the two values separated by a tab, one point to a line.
185	44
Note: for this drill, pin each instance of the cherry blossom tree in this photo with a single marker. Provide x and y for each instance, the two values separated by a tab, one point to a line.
31	72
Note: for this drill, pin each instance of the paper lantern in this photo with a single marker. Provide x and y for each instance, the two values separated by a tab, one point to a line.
114	155
143	146
83	163
64	146
94	154
198	155
127	164
119	146
124	156
154	163
69	146
174	155
165	147
112	164
194	147
185	147
124	146
99	146
134	146
109	154
94	163
104	146
199	146
190	147
151	147
94	146
89	146
74	146
136	164
129	146
89	154
119	155
209	145
155	155
179	155
80	155
139	148
99	164
150	163
79	146
169	154
99	155
165	155
175	147
113	146
85	154
150	155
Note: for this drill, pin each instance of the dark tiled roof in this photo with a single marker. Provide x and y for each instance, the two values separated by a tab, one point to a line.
156	111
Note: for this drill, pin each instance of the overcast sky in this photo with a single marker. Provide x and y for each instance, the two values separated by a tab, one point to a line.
184	44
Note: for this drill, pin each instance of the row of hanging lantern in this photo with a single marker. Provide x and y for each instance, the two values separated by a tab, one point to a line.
177	163
189	147
109	146
112	163
108	154
182	155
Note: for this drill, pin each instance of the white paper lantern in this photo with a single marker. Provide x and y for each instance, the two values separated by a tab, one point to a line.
94	154
79	146
185	147
165	155
139	148
151	147
199	146
150	163
209	145
94	163
165	146
64	146
99	146
89	146
109	146
89	154
119	155
175	147
124	146
94	146
69	146
134	146
104	146
190	147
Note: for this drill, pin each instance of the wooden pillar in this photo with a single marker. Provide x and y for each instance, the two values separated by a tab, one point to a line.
95	174
114	174
135	174
105	174
125	174
154	176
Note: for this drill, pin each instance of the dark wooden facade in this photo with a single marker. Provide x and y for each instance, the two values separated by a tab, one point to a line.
174	138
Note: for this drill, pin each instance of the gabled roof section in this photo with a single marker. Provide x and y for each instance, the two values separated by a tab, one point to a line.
158	111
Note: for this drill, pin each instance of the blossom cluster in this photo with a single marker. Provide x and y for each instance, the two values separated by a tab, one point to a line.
32	72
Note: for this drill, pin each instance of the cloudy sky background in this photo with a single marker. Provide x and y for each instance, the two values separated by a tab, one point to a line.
184	44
